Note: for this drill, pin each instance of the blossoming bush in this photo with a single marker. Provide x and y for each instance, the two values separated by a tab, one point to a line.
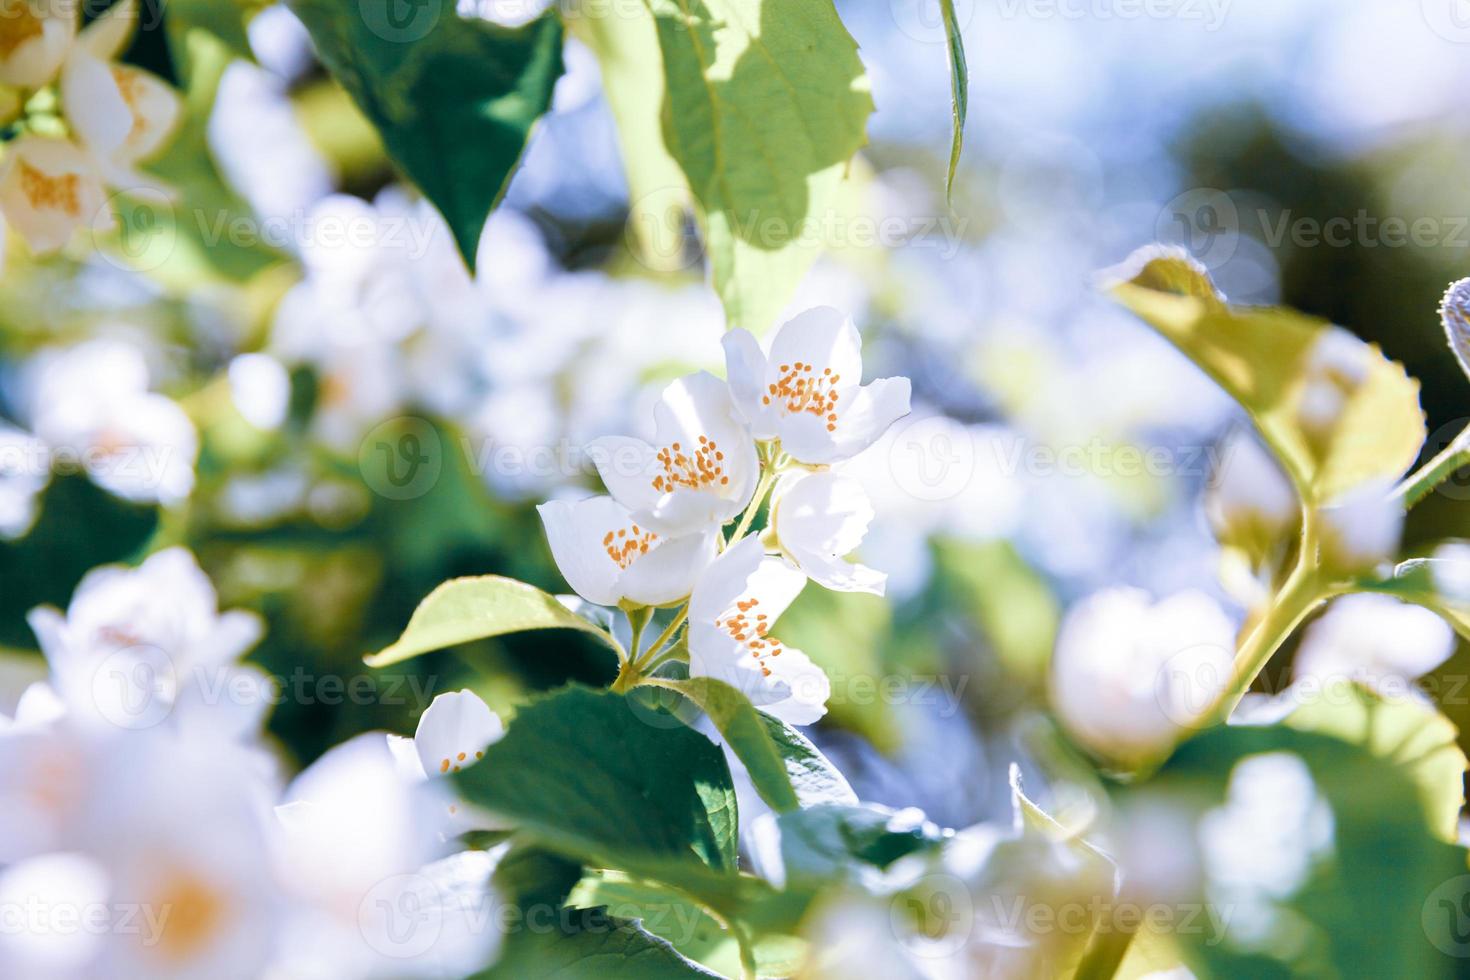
659	572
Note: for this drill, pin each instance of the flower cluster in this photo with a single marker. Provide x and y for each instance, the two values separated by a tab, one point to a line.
87	120
777	428
147	831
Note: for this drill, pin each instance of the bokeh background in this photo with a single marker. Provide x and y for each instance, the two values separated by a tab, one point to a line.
365	421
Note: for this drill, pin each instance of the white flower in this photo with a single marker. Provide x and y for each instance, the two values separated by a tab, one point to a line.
817	520
607	557
452	734
1454	310
121	114
735	603
1361	528
137	647
1129	677
1250	494
50	190
359	842
806	392
34	38
24	473
92	403
702	470
1375	639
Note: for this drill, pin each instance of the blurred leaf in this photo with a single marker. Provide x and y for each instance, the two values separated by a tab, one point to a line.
765	104
586	776
1414	581
1383	865
468	609
813	776
1259	356
959	81
631	65
453	98
224	19
591	945
1411	735
691	930
206	211
1010	602
846	634
833	843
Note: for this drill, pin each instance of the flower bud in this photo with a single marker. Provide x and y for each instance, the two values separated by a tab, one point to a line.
1251	504
1454	310
1131	677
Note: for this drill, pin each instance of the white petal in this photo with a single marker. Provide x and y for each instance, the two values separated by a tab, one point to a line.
747	372
94	104
822	337
49	191
153	109
105	37
839	575
36	59
574	531
406	756
822	512
454	731
725	580
706	468
863	415
627	467
807	684
669	570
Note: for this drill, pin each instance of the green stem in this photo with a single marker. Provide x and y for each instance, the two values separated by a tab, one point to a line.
762	488
1299	595
662	658
643	663
1421	483
1105	953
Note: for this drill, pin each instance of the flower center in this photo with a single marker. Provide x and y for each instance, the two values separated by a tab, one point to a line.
460	760
627	544
193	913
59	193
800	390
18	24
704	468
751	632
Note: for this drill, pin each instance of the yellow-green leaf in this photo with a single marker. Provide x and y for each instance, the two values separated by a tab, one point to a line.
466	609
1413	736
1261	356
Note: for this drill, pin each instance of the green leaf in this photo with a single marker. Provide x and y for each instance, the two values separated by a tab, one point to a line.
959	82
1376	860
1259	356
766	101
831	843
465	609
454	99
225	19
583	774
1007	599
777	757
1414	581
588	944
1415	737
691	930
